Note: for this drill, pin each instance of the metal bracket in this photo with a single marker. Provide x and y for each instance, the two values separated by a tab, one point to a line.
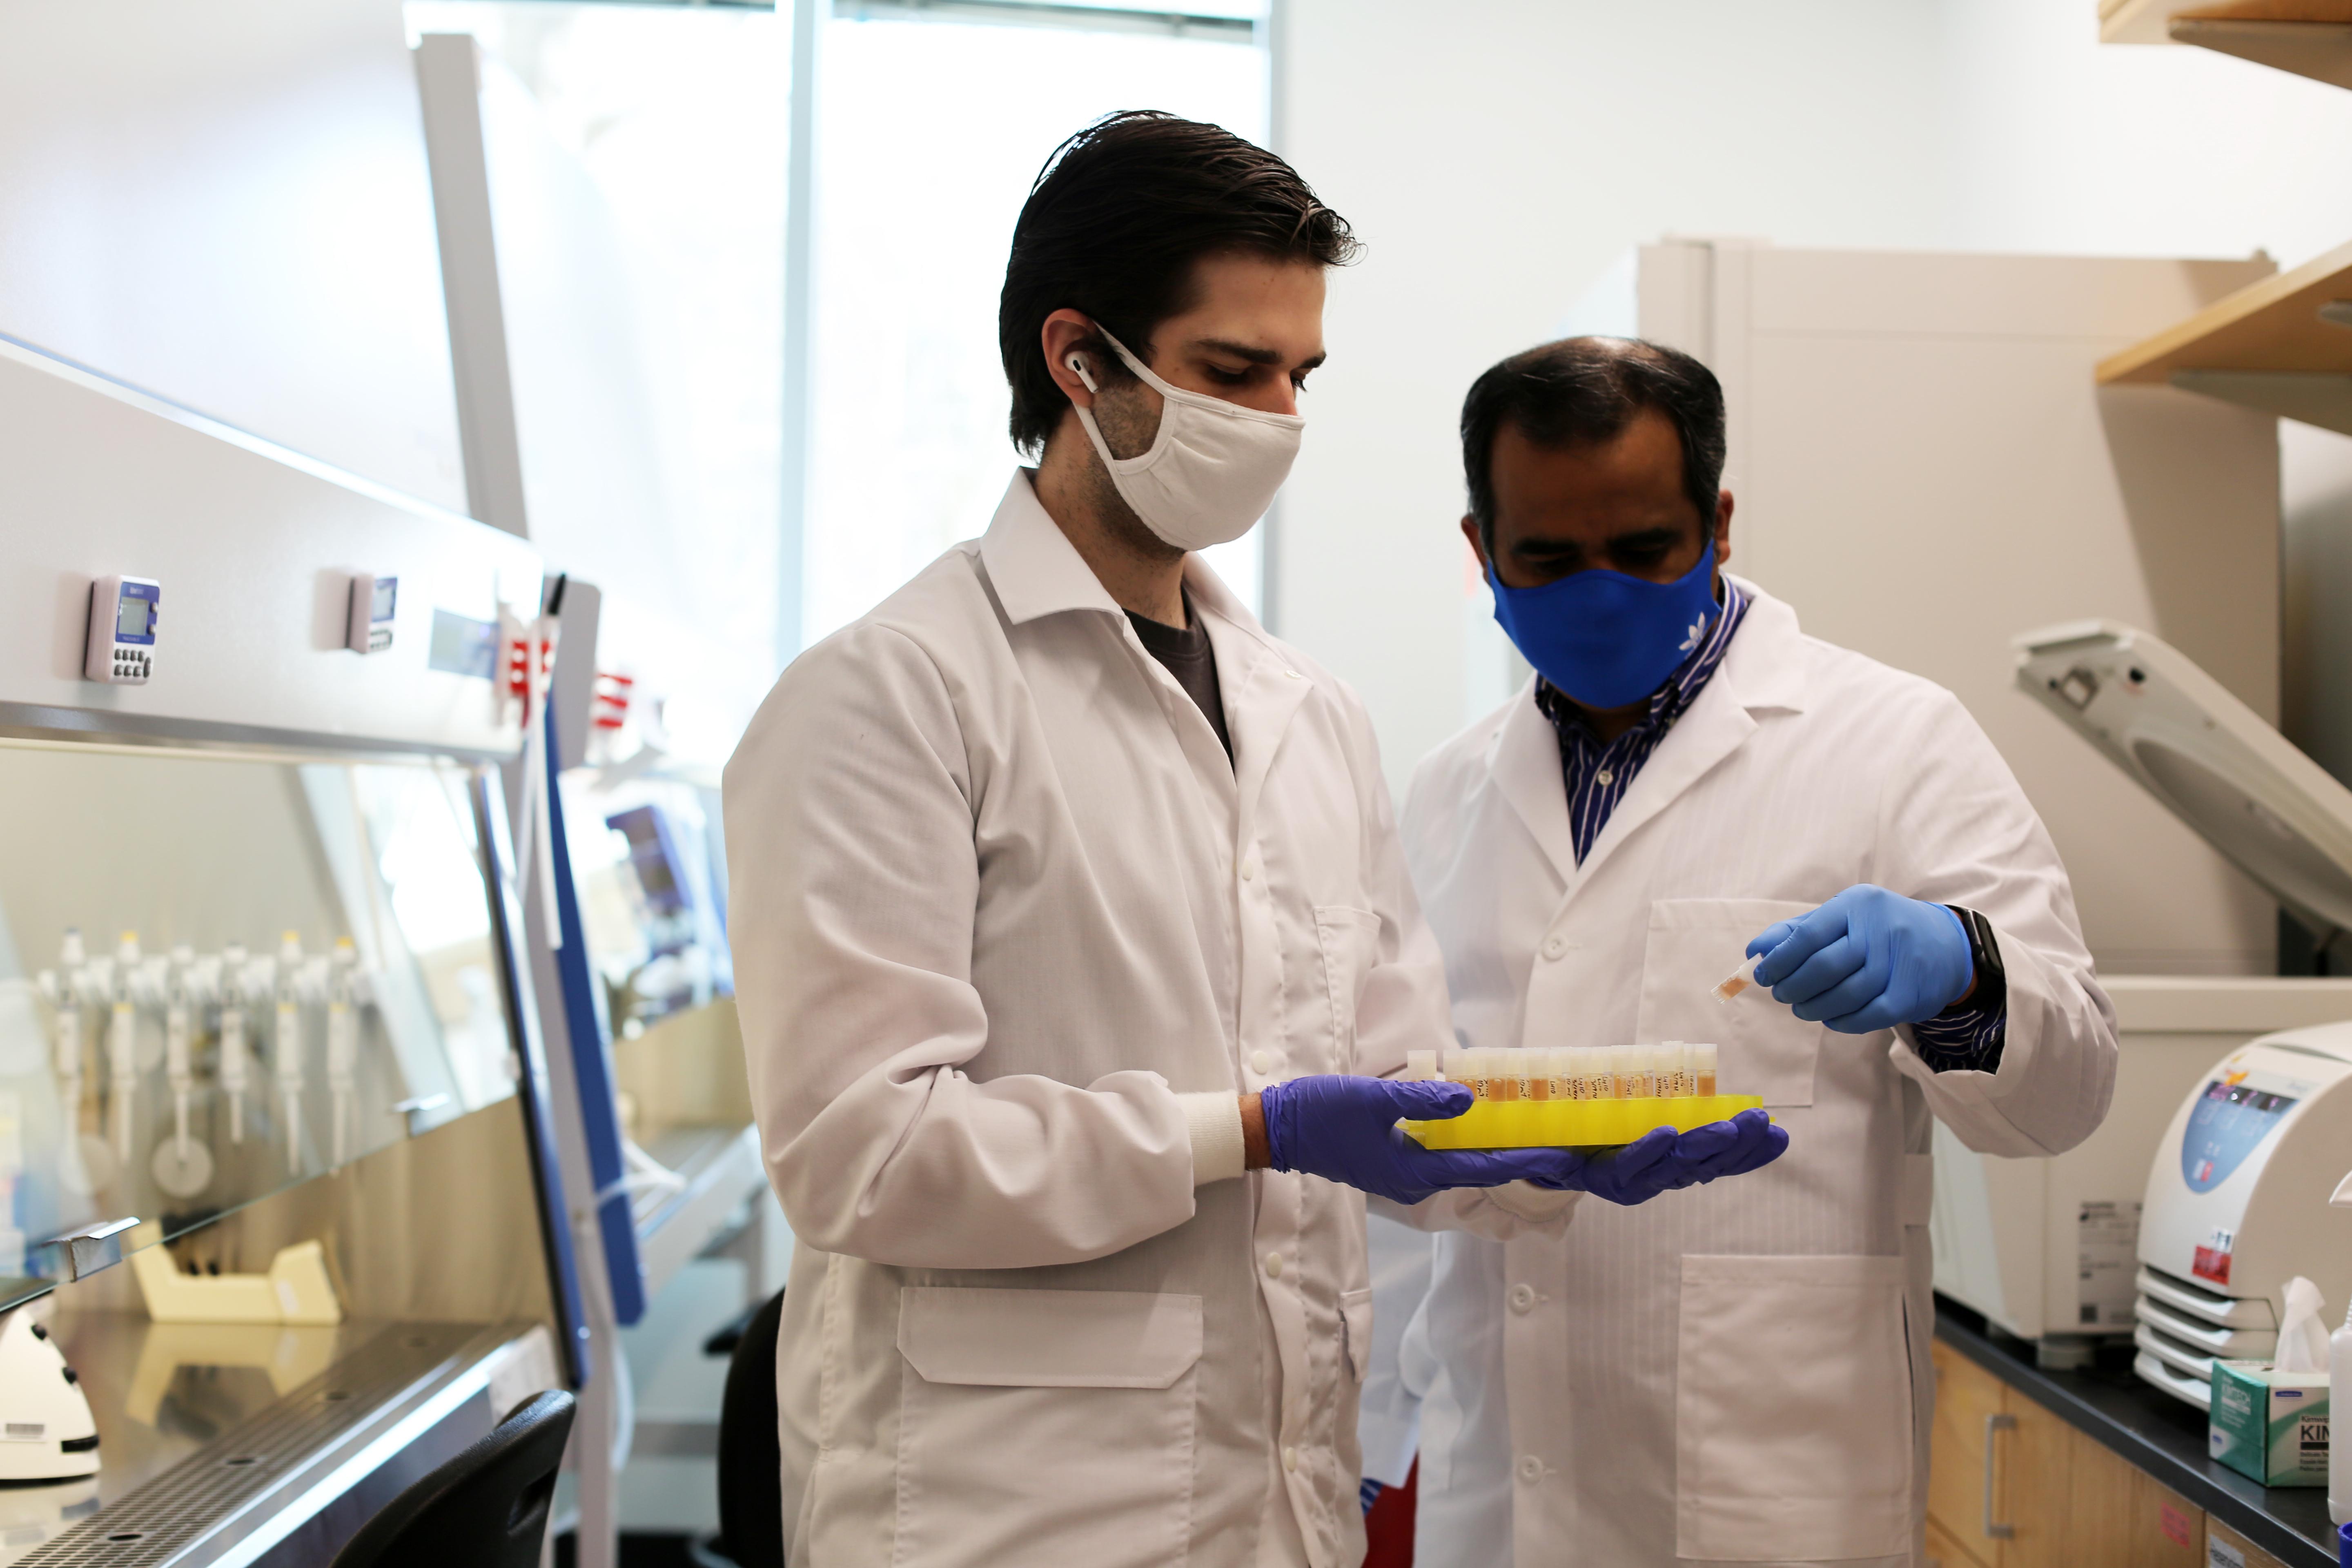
93	1247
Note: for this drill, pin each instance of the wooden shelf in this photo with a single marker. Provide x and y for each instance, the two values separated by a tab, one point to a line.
2283	345
2307	37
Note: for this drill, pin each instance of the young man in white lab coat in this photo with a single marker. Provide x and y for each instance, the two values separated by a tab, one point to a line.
1063	895
1737	1374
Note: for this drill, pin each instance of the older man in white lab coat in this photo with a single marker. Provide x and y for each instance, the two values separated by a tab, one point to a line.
1063	895
1737	1374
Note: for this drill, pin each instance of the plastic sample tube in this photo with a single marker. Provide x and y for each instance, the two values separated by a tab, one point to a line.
1536	1083
1740	980
1421	1065
1593	1081
1674	1070
1703	1068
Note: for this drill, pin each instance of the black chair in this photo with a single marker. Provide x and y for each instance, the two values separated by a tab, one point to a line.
751	1485
485	1508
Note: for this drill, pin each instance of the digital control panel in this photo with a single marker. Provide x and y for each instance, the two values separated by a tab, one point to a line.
373	601
122	619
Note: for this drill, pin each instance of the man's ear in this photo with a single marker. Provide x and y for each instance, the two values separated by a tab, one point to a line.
1061	336
1477	546
1722	528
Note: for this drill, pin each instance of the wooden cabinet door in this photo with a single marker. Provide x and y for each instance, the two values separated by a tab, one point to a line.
2167	1529
2102	1512
1966	1396
2034	1474
1943	1551
2226	1546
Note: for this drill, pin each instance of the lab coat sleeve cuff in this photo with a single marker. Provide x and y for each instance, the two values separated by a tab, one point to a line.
1214	1121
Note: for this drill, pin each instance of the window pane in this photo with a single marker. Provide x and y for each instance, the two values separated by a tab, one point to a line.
931	135
678	118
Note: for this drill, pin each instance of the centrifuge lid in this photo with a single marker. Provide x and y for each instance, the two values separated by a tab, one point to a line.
2219	766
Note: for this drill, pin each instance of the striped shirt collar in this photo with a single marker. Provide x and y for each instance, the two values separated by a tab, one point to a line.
1597	773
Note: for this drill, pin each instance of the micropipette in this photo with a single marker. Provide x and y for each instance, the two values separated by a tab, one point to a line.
180	1166
63	987
122	1042
236	1055
289	1045
343	1044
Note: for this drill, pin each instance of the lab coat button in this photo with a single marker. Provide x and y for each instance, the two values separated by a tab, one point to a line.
1522	1299
1274	1266
1290	1458
1531	1469
1260	1063
1249	867
1554	946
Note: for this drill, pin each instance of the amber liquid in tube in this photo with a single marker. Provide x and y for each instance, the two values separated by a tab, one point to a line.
1505	1076
1703	1068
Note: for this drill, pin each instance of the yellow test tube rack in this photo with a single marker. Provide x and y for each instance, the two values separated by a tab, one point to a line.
1575	1123
1574	1097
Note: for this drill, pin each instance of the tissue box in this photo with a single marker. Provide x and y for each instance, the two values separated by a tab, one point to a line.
2268	1425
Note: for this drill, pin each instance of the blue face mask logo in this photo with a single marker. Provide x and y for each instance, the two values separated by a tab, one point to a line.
1604	638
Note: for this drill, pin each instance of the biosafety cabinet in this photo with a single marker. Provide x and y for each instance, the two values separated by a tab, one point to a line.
1926	467
267	1038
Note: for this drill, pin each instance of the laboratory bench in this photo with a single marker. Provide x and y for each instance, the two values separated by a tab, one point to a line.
2092	1466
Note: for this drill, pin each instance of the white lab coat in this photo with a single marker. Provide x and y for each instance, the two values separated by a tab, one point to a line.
1735	1373
1012	933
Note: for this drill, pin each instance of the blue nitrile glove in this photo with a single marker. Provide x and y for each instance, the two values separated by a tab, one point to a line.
1345	1129
1659	1162
1867	960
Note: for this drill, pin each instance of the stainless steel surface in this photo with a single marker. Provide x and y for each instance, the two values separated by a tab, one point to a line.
94	1246
254	546
208	1459
722	1167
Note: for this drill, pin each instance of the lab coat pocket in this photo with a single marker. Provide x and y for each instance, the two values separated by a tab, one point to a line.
1792	1410
1356	1328
1693	943
1045	1427
1349	941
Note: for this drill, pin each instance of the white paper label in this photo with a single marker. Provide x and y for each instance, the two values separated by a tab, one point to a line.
2219	1553
2106	1254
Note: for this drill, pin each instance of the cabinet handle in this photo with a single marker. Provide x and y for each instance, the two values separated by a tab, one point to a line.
1994	1426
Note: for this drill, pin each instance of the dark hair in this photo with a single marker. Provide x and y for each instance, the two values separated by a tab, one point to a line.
1589	389
1113	226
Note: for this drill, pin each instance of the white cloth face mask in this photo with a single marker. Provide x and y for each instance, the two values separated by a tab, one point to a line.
1211	470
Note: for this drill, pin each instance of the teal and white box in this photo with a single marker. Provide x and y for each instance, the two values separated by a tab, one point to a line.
2268	1425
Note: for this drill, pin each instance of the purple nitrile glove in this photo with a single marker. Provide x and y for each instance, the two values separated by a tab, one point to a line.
1662	1162
1345	1129
1867	960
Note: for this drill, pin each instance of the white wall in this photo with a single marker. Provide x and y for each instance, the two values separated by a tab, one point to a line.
227	205
1496	156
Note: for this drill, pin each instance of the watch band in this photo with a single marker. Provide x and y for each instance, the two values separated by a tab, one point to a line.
1991	991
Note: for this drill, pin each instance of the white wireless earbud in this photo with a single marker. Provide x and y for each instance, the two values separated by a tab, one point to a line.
1078	363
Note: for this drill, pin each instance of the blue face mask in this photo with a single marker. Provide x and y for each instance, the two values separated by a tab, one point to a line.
1604	638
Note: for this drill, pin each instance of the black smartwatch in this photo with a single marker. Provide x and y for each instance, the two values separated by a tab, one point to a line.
1990	994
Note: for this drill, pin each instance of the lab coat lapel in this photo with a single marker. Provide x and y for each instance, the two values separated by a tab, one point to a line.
1527	771
1262	688
1761	670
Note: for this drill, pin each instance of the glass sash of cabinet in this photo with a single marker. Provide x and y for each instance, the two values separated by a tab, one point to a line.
224	974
